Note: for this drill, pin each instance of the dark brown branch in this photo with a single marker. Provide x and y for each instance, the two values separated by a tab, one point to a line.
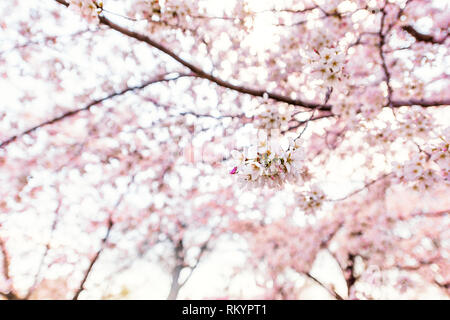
444	286
420	102
387	74
382	36
349	273
421	37
202	74
330	291
399	15
198	72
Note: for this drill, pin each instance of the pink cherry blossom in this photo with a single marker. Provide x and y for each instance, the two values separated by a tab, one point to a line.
156	149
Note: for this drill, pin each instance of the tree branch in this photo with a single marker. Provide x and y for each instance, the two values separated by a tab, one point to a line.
387	74
11	295
47	248
201	73
330	291
198	72
179	264
421	37
88	107
420	102
349	274
103	243
362	188
203	249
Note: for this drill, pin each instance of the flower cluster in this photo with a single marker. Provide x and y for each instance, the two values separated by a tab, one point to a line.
326	58
147	8
381	137
345	109
88	9
441	154
320	38
173	12
330	6
312	200
268	164
328	65
273	118
416	122
373	102
417	172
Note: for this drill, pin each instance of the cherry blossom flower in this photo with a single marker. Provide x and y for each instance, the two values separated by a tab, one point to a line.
126	126
328	66
417	172
273	117
441	154
88	9
268	164
312	200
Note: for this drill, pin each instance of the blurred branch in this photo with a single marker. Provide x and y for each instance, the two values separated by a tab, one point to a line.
179	264
324	244
71	113
362	188
433	214
423	264
420	102
444	286
47	248
127	265
399	15
5	259
103	243
349	273
47	39
11	295
203	249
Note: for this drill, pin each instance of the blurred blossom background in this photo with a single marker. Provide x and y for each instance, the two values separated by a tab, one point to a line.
293	149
